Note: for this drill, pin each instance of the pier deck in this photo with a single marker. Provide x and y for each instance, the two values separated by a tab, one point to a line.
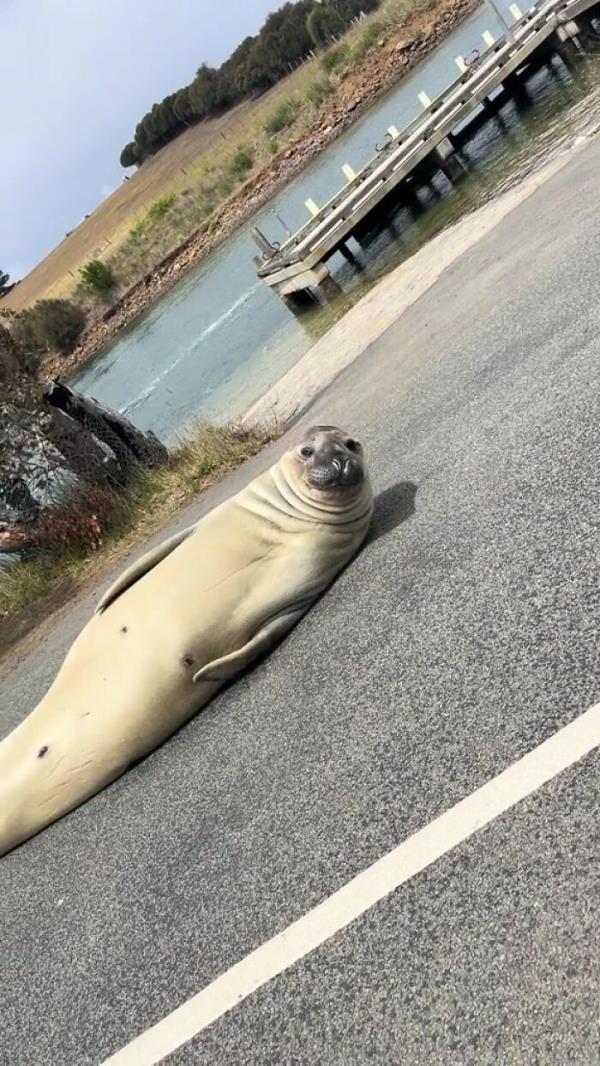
299	264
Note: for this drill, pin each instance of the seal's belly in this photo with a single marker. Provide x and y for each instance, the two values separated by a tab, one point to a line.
191	609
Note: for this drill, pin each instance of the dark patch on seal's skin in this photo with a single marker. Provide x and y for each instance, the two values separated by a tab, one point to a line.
123	629
187	660
42	751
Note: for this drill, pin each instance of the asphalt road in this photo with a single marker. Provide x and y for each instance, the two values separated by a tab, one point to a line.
464	634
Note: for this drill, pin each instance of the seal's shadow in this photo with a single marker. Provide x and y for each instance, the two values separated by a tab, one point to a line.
393	506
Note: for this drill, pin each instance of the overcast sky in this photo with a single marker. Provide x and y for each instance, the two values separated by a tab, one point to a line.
77	75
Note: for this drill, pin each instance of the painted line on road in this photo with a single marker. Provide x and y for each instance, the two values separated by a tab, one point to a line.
415	854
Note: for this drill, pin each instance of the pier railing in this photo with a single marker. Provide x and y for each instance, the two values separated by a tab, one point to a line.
407	148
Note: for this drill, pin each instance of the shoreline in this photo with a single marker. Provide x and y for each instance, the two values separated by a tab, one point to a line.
403	48
386	302
289	398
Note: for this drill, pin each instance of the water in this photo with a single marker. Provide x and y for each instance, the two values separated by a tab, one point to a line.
220	337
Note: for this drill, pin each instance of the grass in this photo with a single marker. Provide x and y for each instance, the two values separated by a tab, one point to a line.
369	37
318	91
284	115
335	57
242	161
150	499
179	188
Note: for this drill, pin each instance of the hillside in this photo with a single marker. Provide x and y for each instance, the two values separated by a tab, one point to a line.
208	195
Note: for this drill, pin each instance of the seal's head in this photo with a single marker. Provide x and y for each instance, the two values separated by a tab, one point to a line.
327	463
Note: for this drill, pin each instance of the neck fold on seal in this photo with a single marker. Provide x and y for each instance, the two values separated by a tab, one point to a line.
274	498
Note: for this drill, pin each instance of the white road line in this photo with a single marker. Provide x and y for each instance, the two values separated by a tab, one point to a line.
556	754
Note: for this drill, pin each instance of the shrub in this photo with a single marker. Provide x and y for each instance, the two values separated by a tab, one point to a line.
159	208
367	39
49	325
335	58
68	530
97	278
318	90
323	23
283	116
224	185
241	162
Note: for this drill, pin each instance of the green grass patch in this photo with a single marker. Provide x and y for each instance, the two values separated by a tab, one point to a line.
242	161
335	58
97	278
203	458
159	208
155	214
369	37
283	116
318	90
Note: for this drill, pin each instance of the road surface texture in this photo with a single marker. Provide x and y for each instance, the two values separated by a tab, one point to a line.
464	635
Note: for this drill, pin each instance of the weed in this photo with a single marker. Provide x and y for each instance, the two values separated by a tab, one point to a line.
335	58
159	208
97	278
283	116
241	162
318	90
50	325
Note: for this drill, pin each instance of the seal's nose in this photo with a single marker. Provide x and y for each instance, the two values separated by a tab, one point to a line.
343	465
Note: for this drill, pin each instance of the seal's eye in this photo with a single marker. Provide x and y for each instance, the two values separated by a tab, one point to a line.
352	445
306	451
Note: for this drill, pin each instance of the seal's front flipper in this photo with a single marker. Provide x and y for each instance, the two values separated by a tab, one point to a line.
141	567
228	666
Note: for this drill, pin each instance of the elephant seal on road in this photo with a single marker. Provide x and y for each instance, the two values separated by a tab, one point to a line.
184	619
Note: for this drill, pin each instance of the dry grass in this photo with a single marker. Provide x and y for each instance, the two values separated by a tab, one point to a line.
154	496
179	165
196	172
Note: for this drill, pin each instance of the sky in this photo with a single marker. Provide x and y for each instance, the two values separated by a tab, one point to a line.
77	75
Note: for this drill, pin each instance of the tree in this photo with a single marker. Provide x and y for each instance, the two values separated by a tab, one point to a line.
286	36
182	108
130	155
203	92
349	9
4	285
323	23
50	325
98	278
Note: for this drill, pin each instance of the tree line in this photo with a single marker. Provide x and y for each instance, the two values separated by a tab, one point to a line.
286	37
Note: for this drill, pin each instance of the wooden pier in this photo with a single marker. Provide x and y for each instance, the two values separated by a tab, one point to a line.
296	268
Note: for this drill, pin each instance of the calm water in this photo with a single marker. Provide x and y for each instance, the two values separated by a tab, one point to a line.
220	337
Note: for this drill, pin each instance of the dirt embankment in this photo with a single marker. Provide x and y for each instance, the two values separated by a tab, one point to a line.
401	50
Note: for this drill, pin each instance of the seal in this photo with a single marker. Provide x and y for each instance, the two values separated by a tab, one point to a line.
180	622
